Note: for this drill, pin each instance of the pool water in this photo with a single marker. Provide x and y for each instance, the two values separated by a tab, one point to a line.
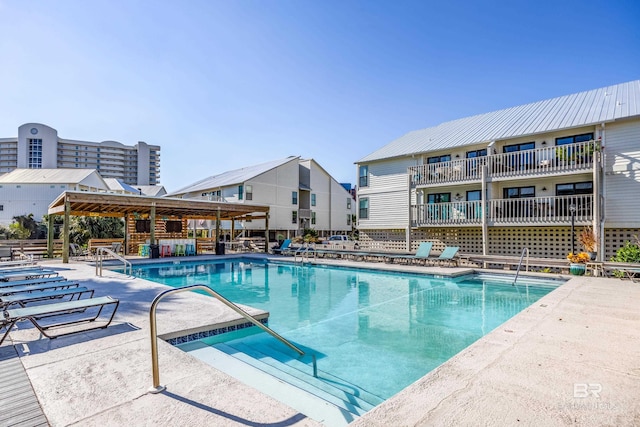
376	331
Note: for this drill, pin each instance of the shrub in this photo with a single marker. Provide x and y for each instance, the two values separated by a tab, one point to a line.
630	252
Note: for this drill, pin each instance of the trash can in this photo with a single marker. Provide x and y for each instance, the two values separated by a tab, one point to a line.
154	251
220	248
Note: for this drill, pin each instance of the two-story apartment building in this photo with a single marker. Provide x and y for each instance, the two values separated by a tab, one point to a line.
498	182
299	192
38	146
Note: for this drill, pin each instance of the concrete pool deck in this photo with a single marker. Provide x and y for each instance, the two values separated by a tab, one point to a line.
571	358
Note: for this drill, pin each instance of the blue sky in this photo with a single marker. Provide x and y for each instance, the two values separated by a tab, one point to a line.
224	84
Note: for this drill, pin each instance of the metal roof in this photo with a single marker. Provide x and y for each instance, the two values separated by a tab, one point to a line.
116	184
580	109
83	203
233	177
48	176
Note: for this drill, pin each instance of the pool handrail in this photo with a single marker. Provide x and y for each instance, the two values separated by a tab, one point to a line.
525	249
157	388
99	258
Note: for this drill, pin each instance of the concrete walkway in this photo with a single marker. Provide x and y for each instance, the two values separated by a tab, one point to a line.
572	358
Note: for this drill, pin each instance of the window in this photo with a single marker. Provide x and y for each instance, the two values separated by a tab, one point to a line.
173	226
1	208
519	192
348	202
348	219
313	200
313	218
524	160
574	138
364	176
364	209
294	217
439	159
35	153
517	208
574	188
143	226
294	197
240	191
439	198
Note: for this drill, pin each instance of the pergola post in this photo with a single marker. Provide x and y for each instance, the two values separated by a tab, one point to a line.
266	232
50	232
152	218
65	233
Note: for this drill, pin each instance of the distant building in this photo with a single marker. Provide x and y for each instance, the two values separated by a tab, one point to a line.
498	182
31	191
39	147
300	194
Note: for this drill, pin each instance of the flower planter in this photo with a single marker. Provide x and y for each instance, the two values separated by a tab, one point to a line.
577	269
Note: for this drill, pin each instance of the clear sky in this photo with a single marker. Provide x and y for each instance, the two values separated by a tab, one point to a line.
224	84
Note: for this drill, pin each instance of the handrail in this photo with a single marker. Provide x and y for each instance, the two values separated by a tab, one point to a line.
302	251
157	388
520	264
100	251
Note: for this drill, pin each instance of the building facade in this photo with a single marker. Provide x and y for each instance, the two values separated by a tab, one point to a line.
532	176
39	147
299	193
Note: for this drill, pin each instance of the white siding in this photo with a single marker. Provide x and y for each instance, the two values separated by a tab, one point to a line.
388	194
25	199
622	174
274	188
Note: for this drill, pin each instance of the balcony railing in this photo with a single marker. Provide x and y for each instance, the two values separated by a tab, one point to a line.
554	210
304	213
560	158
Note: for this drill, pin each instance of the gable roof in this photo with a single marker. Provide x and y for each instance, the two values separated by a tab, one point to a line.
580	109
233	177
47	176
116	184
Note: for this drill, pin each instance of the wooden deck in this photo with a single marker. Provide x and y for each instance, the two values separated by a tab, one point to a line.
19	404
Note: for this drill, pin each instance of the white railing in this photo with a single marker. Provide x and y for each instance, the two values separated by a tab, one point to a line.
531	210
447	213
304	213
560	158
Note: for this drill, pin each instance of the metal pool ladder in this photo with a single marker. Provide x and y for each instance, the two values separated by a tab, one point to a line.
157	388
99	258
520	264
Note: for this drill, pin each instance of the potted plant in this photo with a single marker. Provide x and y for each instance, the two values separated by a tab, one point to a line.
589	242
578	263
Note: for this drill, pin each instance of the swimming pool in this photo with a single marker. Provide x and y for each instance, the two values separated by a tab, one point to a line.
373	331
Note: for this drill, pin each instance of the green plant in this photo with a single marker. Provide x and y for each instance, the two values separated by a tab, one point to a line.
630	252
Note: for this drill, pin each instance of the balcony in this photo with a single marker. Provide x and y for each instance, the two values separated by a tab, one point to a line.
558	159
304	213
554	210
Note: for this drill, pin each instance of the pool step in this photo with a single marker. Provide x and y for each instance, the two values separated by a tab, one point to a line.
305	402
300	373
269	351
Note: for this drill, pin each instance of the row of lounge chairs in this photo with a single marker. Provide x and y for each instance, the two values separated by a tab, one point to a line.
423	256
54	305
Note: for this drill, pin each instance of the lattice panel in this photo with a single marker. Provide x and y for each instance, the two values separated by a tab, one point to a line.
615	238
543	242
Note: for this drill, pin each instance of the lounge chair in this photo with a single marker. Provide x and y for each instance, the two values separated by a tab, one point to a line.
76	252
67	314
283	248
40	287
23	299
422	254
32	273
448	256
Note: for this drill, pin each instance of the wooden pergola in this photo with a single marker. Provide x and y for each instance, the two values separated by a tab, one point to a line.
81	203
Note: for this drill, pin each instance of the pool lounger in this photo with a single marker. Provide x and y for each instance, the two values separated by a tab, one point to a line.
37	287
13	283
26	274
22	299
67	309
